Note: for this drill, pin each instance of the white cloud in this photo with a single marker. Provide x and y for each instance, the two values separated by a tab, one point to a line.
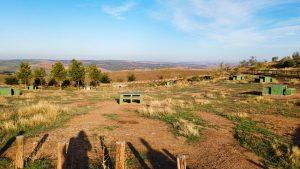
229	22
118	11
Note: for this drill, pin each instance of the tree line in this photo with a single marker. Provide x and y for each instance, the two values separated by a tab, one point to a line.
284	62
76	74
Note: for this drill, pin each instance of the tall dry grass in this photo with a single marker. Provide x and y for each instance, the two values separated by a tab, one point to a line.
31	116
168	110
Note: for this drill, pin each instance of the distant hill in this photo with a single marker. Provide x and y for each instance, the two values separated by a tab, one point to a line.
106	65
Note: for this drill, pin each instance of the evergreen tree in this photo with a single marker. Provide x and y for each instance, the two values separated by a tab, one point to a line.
76	72
39	76
94	74
24	73
58	73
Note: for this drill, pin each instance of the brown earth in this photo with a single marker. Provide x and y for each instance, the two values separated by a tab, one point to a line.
151	142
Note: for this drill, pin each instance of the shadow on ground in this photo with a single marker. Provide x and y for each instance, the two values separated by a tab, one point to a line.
296	137
77	153
155	158
10	142
257	93
37	148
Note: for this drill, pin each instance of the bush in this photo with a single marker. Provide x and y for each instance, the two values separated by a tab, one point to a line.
286	62
66	83
105	79
52	82
39	82
11	81
131	78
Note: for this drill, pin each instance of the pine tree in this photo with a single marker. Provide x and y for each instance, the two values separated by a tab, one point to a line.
77	72
24	73
59	73
94	74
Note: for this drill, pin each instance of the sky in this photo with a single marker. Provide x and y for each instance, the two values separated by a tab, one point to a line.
149	30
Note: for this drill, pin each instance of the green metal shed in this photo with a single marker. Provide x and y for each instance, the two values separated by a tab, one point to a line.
6	91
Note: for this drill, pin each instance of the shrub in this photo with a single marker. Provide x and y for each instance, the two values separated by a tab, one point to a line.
286	62
52	82
131	78
105	79
11	80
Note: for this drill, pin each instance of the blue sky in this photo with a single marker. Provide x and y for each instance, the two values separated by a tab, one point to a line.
149	30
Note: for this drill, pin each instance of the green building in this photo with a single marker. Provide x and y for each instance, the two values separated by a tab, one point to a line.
279	90
264	79
237	77
6	91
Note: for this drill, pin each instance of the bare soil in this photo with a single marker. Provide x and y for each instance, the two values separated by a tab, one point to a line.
150	142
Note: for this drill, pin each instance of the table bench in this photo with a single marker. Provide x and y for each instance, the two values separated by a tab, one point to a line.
130	97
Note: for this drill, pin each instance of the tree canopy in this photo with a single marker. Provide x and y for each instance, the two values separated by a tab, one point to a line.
24	73
39	76
94	74
58	72
76	72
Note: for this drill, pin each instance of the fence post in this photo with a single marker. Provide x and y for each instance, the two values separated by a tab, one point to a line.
181	161
120	155
61	152
20	152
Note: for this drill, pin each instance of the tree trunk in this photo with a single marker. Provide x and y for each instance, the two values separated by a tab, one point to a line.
78	85
60	85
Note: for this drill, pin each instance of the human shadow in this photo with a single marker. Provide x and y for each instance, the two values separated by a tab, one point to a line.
296	137
106	160
10	142
157	159
138	156
77	153
258	93
37	148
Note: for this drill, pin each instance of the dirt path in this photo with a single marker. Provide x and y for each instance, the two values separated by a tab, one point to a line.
153	143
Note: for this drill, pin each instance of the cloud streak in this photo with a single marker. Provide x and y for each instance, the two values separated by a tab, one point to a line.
230	22
119	10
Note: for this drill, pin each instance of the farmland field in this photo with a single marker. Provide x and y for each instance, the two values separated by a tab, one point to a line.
216	123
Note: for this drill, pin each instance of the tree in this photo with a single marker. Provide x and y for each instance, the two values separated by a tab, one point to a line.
105	78
296	57
39	76
94	74
131	78
77	72
58	73
252	61
275	59
286	62
11	80
24	73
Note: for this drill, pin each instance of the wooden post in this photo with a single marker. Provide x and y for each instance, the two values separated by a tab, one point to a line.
181	161
120	155
19	163
61	152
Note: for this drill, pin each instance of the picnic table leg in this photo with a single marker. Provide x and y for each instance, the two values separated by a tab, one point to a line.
121	99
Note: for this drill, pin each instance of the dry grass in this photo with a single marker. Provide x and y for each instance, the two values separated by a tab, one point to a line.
294	81
187	128
241	115
142	75
30	116
262	99
295	157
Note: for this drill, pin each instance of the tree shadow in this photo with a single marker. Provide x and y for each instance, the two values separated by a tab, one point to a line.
37	148
157	159
138	156
257	93
77	157
296	137
106	161
10	142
